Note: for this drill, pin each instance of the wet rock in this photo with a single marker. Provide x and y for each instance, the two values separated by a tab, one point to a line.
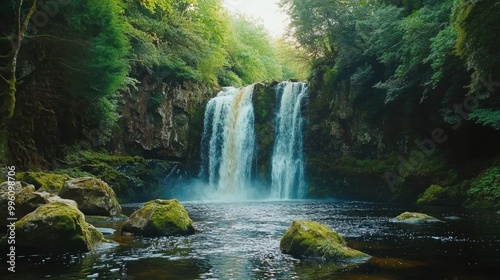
415	218
44	182
26	199
11	193
160	218
311	239
56	227
93	196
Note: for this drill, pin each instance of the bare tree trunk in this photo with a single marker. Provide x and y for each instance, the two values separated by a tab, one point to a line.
9	96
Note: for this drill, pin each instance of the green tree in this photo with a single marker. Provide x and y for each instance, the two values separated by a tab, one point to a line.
477	24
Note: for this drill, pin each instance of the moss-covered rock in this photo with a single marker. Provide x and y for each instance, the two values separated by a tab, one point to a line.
132	178
311	239
55	227
436	195
415	218
93	196
160	218
26	199
48	182
9	193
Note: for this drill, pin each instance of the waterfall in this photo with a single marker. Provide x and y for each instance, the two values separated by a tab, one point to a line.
287	174
228	141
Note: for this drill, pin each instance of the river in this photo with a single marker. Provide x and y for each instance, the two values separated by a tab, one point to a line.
240	240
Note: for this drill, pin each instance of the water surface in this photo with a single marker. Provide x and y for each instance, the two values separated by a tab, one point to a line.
241	241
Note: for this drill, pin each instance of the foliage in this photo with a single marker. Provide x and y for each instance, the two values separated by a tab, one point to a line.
90	54
485	190
486	117
251	55
477	24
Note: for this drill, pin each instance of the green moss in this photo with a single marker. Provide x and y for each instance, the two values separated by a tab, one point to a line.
132	178
159	218
155	100
169	216
434	195
4	148
48	182
73	172
311	239
485	190
56	227
415	218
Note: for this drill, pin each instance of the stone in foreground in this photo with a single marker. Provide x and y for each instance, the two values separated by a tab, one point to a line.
160	218
26	199
93	196
415	218
312	239
56	227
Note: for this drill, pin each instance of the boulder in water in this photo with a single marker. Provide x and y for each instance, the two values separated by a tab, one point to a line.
26	199
56	227
93	196
312	239
160	218
415	218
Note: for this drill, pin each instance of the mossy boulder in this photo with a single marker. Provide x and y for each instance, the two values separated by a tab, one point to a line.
133	178
26	199
415	218
47	182
93	196
160	218
312	239
437	195
8	193
56	227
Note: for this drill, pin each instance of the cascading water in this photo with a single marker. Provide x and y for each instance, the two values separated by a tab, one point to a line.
228	143
288	160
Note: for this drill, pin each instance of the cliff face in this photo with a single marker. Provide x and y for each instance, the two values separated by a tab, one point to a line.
156	120
163	121
359	147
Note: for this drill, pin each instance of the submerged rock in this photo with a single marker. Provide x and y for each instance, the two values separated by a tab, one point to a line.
453	218
416	218
56	227
93	196
311	239
160	218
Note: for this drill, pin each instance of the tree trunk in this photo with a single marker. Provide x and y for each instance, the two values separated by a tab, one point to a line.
9	96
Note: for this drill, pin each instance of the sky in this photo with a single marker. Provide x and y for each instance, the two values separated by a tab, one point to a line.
274	20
